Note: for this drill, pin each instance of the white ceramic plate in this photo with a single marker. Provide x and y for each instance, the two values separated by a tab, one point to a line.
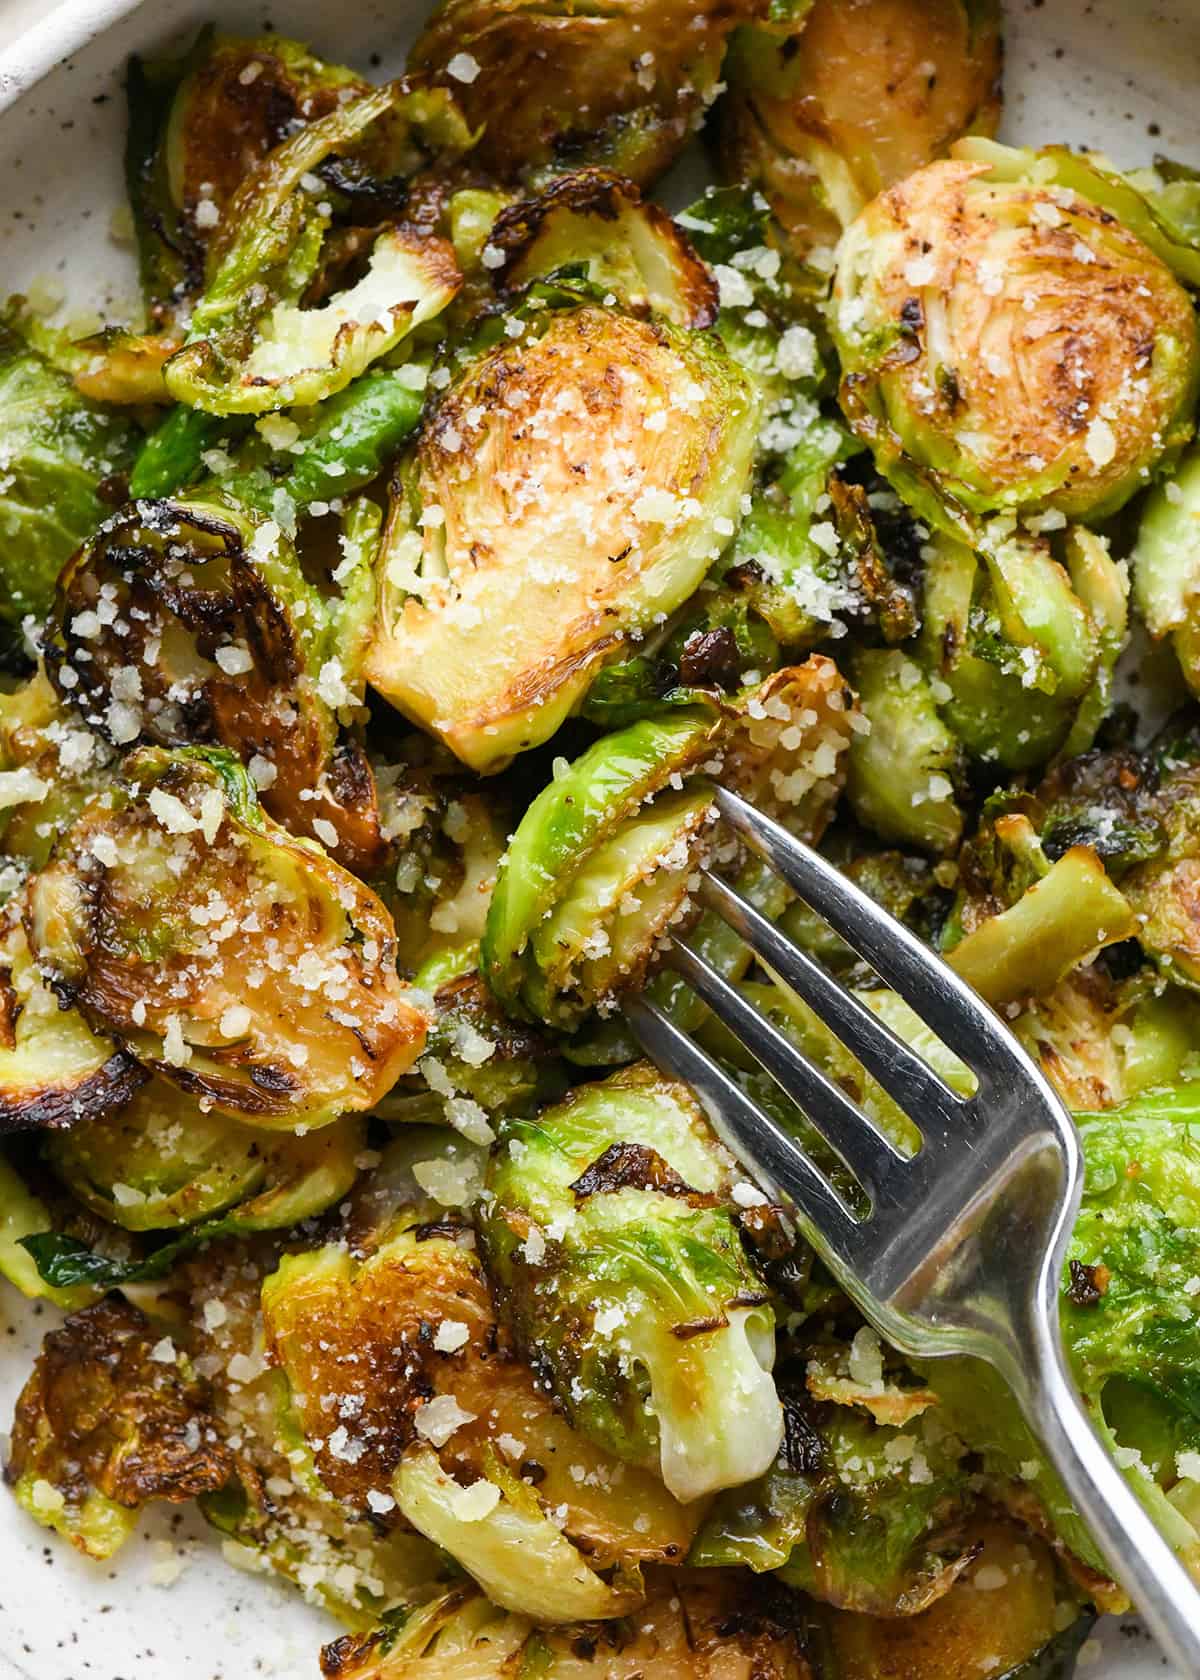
1101	73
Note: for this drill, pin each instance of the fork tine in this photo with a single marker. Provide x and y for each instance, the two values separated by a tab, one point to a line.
945	1003
870	1155
774	1158
884	1055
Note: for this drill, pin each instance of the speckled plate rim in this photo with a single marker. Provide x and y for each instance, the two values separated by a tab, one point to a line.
42	46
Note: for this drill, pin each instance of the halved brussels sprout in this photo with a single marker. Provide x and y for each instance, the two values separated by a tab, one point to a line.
49	765
1166	565
198	124
163	1160
107	1422
239	963
852	97
610	1237
603	860
1020	648
1009	344
251	346
570	489
595	225
857	1514
58	454
904	768
410	1408
554	86
719	1625
185	622
54	1070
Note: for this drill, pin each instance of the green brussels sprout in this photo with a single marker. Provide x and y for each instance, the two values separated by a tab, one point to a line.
198	124
902	772
104	1425
251	346
1164	891
396	1388
861	1515
593	225
1002	1625
23	1214
192	621
553	87
241	964
58	453
162	1161
822	115
49	766
609	1235
600	865
549	493
966	303
1069	910
682	1632
1020	649
54	1070
1166	565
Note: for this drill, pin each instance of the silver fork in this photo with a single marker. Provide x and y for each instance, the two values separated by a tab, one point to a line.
963	1248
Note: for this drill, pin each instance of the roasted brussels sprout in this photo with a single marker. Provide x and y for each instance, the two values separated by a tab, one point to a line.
251	345
163	1161
1166	565
718	1625
594	225
49	766
610	1236
860	1515
822	115
111	1418
54	1070
902	771
198	125
555	86
573	486
60	453
603	860
239	963
1008	344
184	622
409	1404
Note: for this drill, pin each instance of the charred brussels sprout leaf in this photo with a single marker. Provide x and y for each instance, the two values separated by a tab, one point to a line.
859	1515
104	1425
853	97
957	260
643	73
192	621
251	346
241	964
565	494
58	454
595	226
620	1269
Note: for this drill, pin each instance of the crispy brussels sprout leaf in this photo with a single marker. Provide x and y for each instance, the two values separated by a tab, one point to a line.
58	452
105	1424
54	1070
251	346
566	493
851	99
553	87
240	964
163	1161
505	1541
903	769
189	622
621	1272
719	1625
956	384
595	226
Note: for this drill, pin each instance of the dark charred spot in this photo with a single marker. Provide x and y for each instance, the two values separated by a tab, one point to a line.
630	1166
699	1327
804	1451
1088	1285
710	658
912	315
532	1472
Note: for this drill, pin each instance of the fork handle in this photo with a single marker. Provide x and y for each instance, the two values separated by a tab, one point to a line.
1135	1550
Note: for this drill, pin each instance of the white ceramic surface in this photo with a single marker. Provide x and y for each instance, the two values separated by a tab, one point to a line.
1111	73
